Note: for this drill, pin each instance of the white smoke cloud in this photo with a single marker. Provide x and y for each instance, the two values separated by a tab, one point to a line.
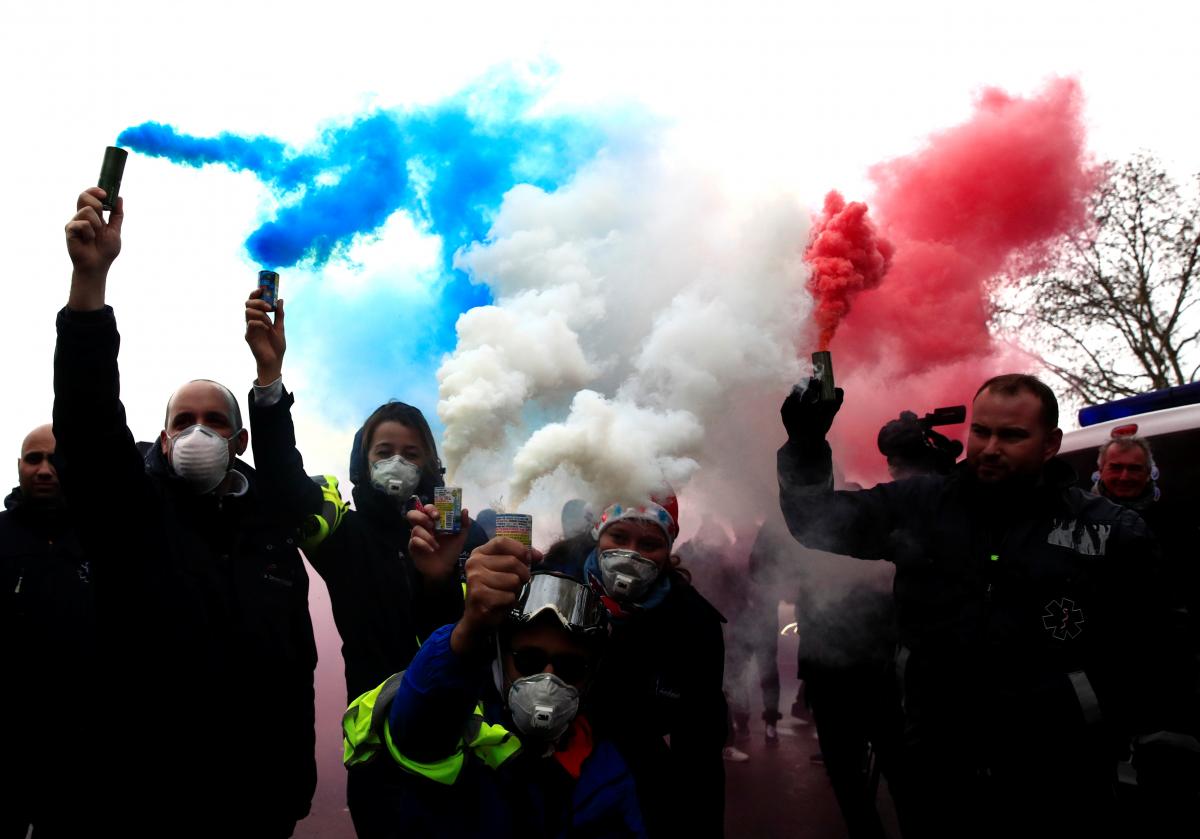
617	448
644	331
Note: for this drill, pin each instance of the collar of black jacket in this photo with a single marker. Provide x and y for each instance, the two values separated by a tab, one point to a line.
1047	487
39	514
1140	504
158	466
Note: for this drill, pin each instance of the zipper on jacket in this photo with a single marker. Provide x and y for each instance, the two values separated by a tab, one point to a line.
987	592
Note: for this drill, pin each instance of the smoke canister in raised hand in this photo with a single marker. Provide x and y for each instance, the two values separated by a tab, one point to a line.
448	501
515	526
268	281
823	371
110	175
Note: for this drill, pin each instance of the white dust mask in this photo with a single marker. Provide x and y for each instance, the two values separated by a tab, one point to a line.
395	477
200	456
627	575
542	706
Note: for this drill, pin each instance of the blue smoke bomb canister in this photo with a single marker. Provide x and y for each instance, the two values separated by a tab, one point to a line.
448	501
268	281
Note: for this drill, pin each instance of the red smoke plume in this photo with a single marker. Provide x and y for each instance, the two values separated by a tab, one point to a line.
979	197
846	258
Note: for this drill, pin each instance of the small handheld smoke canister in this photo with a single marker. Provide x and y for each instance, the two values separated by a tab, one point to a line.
110	174
448	501
515	526
268	281
823	371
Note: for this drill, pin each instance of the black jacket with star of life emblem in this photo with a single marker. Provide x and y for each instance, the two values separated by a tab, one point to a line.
1026	620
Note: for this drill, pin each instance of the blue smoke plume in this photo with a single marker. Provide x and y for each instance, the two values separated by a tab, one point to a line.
447	165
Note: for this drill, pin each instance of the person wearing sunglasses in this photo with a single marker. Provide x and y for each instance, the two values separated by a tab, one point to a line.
483	732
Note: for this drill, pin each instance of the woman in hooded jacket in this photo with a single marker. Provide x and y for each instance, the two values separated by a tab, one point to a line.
385	602
658	693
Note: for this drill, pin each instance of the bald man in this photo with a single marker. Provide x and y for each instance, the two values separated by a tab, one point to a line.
202	592
47	626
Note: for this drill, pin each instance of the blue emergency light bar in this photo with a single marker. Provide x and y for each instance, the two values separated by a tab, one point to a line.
1156	400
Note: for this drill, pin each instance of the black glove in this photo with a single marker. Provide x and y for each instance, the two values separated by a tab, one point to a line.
805	416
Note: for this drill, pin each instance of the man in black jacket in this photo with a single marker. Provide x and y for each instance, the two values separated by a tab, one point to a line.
47	624
1023	611
202	599
1168	764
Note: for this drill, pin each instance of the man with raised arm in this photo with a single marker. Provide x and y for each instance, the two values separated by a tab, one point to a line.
200	590
1023	609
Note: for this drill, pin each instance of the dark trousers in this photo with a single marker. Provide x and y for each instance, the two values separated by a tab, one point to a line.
857	713
1026	795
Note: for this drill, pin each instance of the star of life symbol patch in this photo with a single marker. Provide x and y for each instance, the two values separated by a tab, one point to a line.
1063	619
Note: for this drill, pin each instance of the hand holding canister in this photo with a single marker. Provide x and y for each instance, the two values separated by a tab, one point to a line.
111	172
496	573
809	409
267	339
92	244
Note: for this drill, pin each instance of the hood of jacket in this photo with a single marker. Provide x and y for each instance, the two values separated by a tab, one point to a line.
40	516
367	498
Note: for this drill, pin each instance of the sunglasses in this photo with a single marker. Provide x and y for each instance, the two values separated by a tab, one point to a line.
570	667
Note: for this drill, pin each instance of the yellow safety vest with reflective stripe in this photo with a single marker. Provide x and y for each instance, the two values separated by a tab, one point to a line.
319	526
365	733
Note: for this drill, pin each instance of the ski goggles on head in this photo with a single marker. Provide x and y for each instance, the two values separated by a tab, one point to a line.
576	606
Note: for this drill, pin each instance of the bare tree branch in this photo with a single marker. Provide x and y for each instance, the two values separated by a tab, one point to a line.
1114	315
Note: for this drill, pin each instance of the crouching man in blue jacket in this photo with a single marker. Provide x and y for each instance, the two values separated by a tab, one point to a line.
483	728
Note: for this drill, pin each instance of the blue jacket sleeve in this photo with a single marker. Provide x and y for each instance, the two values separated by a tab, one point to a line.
435	700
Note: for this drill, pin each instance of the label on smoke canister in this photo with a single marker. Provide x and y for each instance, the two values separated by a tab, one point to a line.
448	501
515	526
268	281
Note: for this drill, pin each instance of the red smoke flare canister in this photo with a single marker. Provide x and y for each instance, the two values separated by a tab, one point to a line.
822	363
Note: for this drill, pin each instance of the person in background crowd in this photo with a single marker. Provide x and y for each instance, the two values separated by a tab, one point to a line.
847	646
913	448
1168	767
201	594
727	574
47	629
